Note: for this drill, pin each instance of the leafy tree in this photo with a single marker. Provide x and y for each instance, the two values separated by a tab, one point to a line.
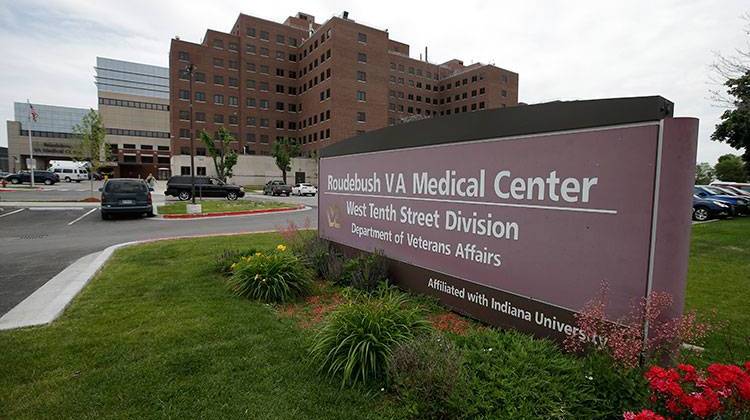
733	72
224	157
91	147
704	173
731	168
284	150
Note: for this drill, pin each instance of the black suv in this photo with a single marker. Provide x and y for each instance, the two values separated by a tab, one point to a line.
126	195
46	177
179	186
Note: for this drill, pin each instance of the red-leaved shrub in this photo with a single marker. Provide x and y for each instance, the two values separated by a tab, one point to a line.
624	339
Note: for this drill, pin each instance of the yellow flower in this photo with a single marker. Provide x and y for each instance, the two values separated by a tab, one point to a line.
258	254
281	247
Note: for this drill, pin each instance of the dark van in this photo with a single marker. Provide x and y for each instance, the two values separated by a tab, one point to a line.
126	196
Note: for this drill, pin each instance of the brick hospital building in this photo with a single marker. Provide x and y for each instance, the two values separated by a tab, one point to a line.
316	83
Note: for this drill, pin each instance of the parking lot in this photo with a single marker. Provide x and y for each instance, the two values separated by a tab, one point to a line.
37	242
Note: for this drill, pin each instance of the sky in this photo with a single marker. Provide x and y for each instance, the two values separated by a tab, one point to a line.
562	50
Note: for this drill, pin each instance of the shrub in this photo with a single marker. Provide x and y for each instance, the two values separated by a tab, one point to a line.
366	271
624	340
273	277
511	375
223	262
356	341
614	388
426	373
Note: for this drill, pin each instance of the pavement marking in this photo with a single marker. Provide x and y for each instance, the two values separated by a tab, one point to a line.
12	212
84	215
55	208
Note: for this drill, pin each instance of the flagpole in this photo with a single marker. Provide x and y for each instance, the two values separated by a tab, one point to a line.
31	147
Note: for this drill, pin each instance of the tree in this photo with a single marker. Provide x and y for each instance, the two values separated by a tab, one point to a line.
731	168
284	150
224	157
734	72
91	147
704	173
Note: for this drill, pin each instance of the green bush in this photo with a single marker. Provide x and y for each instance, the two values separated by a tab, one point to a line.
356	341
426	373
615	389
511	375
319	255
366	271
223	262
272	277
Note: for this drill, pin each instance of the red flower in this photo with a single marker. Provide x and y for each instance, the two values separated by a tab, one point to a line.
643	415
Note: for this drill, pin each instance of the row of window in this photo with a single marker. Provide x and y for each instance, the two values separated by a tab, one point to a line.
137	133
133	104
252	121
418	72
130	146
265	52
265	36
144	159
48	134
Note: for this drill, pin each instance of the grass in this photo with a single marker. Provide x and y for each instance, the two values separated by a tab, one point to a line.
219	206
719	279
159	335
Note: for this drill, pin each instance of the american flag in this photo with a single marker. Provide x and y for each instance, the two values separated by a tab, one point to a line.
32	113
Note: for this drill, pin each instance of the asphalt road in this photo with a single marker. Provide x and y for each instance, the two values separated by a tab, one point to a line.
36	244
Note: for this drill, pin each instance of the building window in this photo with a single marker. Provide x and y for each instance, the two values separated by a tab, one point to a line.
233	101
184	115
264	35
264	104
201	170
264	51
279	106
234	65
128	158
219	118
234	82
250	32
361	76
218	44
362	57
250	102
280	124
147	159
185	170
233	119
218	80
250	121
218	99
232	46
264	122
362	37
218	62
264	138
361	95
184	94
264	86
250	137
200	151
200	77
183	56
200	116
361	117
280	55
251	49
184	133
504	93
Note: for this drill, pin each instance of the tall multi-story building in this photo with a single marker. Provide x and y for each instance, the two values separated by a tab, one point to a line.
316	83
134	107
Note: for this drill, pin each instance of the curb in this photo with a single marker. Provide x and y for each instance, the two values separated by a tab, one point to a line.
49	204
229	213
48	302
37	189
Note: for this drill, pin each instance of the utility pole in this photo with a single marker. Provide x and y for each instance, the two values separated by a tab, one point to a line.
32	163
190	69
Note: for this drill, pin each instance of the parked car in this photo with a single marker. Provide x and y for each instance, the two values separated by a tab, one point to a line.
3	174
45	177
304	189
126	196
277	188
744	186
739	205
704	209
180	187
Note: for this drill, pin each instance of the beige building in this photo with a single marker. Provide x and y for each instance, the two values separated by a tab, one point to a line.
251	169
51	135
134	106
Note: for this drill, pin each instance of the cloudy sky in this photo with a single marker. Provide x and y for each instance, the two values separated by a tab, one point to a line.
562	50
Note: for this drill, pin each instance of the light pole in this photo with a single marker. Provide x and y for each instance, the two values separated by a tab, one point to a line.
190	69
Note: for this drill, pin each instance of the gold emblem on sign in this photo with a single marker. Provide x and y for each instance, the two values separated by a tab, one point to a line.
333	217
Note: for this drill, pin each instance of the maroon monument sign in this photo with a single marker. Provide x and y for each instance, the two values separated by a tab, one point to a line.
517	220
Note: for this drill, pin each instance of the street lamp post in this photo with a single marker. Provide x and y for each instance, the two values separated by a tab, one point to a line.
190	69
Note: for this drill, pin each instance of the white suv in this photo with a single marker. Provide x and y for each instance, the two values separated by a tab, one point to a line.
304	189
69	174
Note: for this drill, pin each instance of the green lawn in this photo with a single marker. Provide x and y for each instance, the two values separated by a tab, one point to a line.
157	335
719	279
218	206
